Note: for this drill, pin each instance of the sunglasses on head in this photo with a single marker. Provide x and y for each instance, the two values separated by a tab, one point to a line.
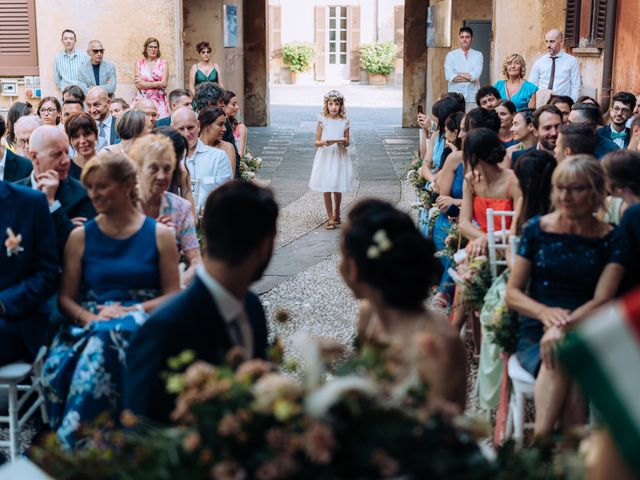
98	50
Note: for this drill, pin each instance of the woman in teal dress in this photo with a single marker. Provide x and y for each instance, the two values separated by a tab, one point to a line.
205	70
515	88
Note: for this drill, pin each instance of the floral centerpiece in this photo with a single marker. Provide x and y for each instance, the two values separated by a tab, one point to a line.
249	166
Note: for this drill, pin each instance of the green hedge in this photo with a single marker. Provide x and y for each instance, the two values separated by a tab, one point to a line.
378	57
298	57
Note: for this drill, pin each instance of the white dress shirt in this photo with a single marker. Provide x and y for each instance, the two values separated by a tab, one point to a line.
211	168
231	309
456	62
3	162
567	74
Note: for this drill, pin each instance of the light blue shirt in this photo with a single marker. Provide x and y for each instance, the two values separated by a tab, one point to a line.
66	67
210	167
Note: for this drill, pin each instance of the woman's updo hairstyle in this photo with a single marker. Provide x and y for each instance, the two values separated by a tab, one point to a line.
117	166
483	145
481	118
390	253
208	116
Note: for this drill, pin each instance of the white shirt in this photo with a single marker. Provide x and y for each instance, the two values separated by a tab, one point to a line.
567	74
211	168
229	307
3	162
456	62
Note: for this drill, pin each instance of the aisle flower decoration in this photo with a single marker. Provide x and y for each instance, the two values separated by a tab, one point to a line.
475	276
504	329
249	166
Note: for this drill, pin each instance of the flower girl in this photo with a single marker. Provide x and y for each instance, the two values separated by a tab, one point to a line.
333	171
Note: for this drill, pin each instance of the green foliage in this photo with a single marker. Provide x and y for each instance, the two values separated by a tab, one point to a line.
504	329
298	57
378	57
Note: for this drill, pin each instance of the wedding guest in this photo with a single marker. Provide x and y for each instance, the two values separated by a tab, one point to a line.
622	104
82	132
150	110
208	166
49	111
73	92
28	272
177	98
97	72
389	265
17	110
205	70
151	77
131	126
588	99
522	133
556	71
564	104
623	179
12	167
506	111
212	129
589	115
98	104
117	268
23	128
118	107
572	263
208	94
239	129
514	87
574	140
488	97
545	123
69	107
67	198
463	68
156	161
68	61
534	172
218	311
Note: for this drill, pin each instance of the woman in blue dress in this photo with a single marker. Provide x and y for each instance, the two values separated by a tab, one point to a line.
572	263
515	88
117	268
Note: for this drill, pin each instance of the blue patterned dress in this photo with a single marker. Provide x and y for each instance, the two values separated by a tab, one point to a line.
84	369
565	270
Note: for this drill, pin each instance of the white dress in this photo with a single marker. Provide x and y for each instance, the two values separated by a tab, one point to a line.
333	170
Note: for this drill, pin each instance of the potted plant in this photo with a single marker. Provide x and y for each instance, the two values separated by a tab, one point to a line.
298	57
377	60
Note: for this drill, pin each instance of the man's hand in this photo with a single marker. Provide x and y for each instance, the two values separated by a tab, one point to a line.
48	183
462	77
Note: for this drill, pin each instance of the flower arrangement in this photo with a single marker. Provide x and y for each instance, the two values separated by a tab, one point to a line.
298	57
475	276
249	166
451	241
504	329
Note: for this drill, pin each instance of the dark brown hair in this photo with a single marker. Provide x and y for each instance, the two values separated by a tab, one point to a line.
80	122
146	44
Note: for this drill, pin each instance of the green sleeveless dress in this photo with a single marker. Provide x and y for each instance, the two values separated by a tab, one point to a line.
201	77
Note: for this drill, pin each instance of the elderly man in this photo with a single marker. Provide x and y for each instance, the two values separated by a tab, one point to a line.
68	202
177	98
589	115
622	106
556	71
97	71
68	62
23	129
12	167
463	68
209	167
150	110
98	107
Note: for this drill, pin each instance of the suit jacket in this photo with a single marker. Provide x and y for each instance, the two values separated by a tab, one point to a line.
606	133
107	74
28	279
190	321
74	202
164	122
113	135
16	167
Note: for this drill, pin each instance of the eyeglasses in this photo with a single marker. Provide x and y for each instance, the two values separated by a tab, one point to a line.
205	51
98	50
50	111
21	142
620	110
153	46
572	188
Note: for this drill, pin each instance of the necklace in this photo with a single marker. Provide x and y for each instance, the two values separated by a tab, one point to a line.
513	87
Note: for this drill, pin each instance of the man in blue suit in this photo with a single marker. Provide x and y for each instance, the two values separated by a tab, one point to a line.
28	271
217	312
622	106
12	167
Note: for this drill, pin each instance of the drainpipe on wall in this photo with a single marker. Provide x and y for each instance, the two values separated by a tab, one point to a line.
607	64
376	18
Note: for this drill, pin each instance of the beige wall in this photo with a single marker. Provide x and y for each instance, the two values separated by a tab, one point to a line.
202	21
119	24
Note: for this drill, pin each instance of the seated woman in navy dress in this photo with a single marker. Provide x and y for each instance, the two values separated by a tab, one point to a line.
117	268
573	263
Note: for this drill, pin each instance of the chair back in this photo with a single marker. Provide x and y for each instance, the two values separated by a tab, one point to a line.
514	241
497	238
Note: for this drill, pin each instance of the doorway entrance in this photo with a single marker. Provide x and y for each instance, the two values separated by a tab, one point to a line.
482	43
337	60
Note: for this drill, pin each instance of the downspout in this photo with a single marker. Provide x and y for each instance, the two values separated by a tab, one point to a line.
607	64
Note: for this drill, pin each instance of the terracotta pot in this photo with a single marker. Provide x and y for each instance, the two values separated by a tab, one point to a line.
377	79
294	77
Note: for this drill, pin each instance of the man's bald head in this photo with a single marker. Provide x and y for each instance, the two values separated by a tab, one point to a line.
50	151
553	40
150	109
184	120
98	103
95	93
23	129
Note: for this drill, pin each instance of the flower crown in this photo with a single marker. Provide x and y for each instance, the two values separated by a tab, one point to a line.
382	244
334	94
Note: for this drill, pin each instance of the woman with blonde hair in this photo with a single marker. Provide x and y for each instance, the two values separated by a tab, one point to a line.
568	264
514	87
156	160
118	268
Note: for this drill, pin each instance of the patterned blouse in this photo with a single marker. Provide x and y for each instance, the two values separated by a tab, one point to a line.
179	210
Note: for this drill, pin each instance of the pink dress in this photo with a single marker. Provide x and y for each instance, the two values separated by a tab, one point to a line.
156	95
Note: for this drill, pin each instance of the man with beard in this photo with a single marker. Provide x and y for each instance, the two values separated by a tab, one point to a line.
545	122
622	105
217	312
589	115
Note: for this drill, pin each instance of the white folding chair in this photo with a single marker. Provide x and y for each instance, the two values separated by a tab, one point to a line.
497	240
522	383
20	380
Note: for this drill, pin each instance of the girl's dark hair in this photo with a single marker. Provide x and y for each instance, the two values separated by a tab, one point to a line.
483	145
453	123
208	116
534	170
527	114
623	169
442	109
17	110
508	104
226	98
405	271
55	102
180	146
75	91
481	118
